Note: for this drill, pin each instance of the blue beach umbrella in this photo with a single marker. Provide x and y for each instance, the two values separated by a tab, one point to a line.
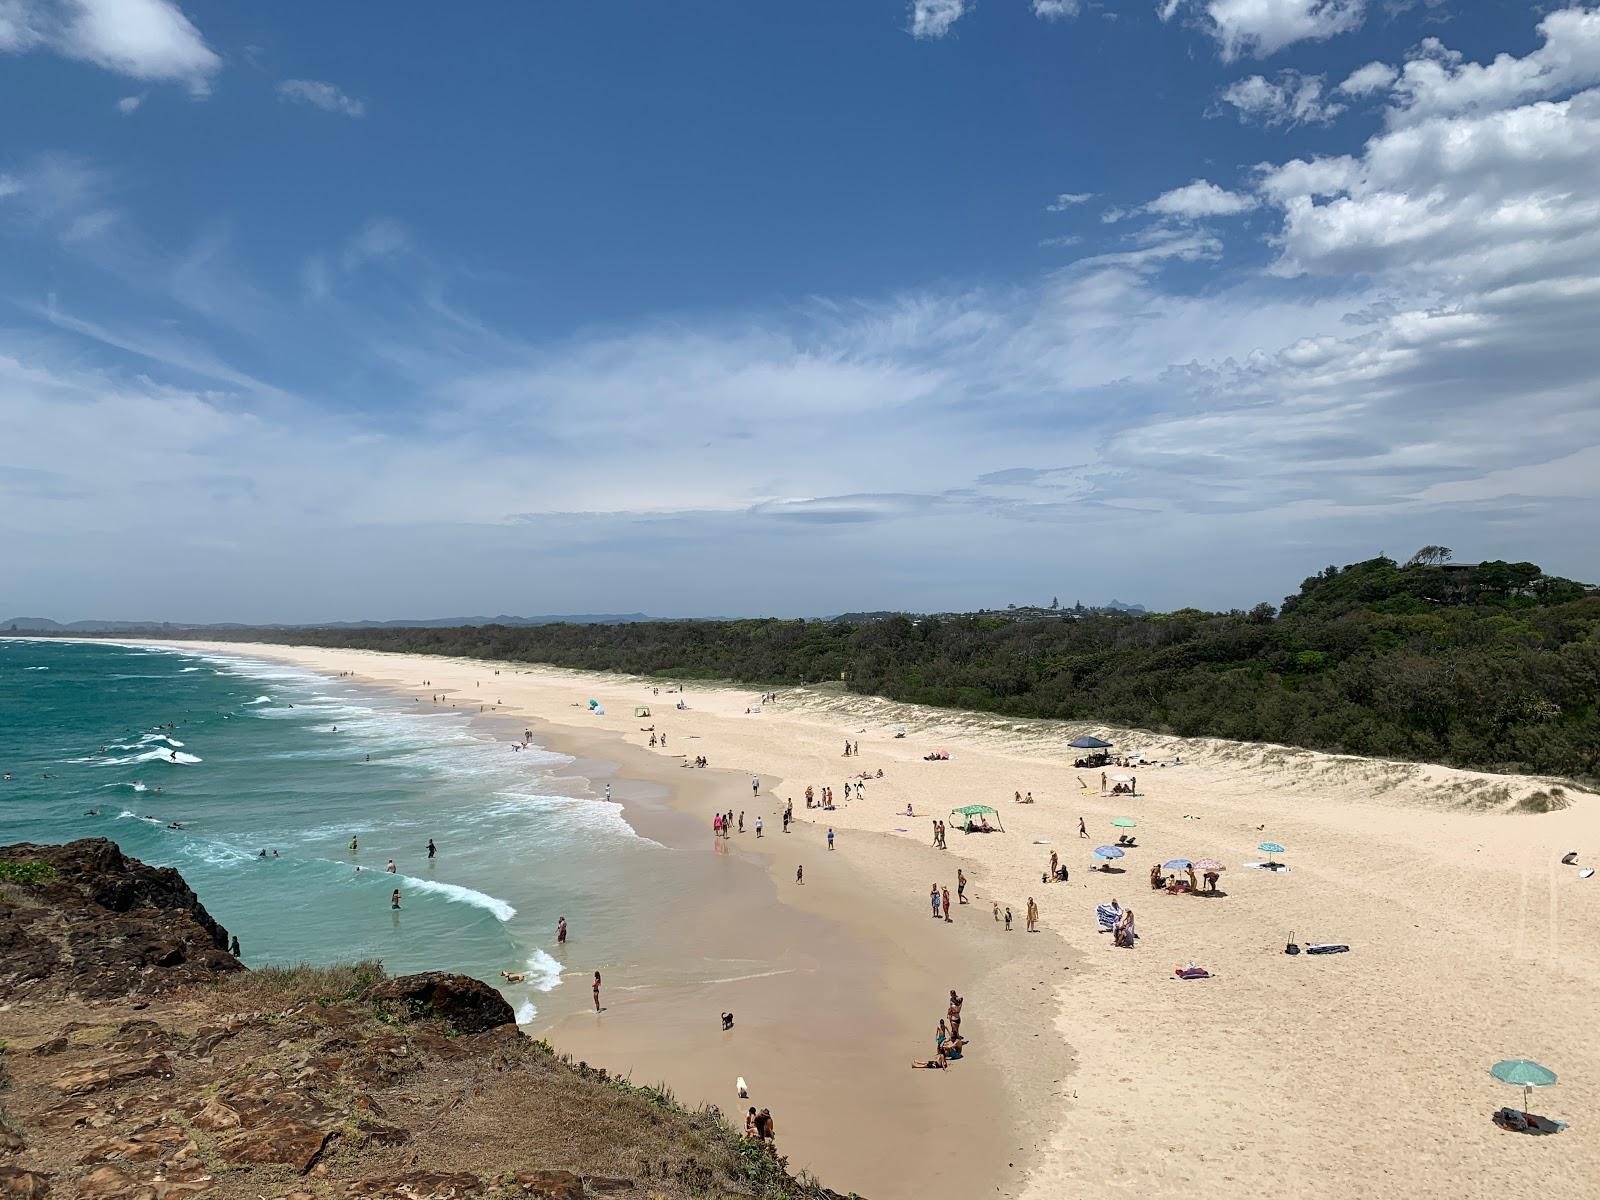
1522	1073
1269	849
1108	852
1177	864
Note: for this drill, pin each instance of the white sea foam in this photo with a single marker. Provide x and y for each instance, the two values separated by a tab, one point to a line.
526	1012
177	757
35	668
135	786
544	972
457	894
186	670
260	700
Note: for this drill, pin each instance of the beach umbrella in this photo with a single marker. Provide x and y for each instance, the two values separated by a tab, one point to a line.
1124	822
1177	864
1108	852
1122	779
1520	1072
1209	864
1270	848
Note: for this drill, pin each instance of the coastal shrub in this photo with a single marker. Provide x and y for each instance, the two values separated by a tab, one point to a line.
26	871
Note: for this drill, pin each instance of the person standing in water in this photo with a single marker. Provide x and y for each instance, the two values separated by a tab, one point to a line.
390	868
432	850
352	844
561	932
597	991
1033	916
394	899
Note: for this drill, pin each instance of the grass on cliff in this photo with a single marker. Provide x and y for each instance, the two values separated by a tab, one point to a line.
304	984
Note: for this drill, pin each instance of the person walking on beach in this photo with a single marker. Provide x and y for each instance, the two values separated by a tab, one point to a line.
1033	916
1083	830
961	885
758	826
830	838
755	785
936	835
933	899
944	896
394	899
800	874
561	932
741	820
997	912
432	849
597	991
1102	782
1008	918
716	824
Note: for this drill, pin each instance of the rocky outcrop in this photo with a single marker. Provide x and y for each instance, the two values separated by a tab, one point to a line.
313	1084
99	924
467	1005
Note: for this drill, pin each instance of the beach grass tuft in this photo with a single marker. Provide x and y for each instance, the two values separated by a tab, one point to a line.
305	984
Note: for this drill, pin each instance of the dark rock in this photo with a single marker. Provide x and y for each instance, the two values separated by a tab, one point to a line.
113	1072
468	1005
17	1184
290	1142
45	1049
105	926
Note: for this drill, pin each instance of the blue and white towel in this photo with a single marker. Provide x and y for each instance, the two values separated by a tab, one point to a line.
1106	915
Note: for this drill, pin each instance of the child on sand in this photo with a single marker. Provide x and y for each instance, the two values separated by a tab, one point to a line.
1008	918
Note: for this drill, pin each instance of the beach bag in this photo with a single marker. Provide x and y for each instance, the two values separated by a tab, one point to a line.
1292	947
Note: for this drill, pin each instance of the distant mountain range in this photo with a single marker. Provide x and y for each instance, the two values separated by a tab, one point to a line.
46	625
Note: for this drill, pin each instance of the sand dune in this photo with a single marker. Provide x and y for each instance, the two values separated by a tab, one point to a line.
1356	1074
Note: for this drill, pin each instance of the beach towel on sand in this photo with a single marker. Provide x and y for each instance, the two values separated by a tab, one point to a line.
1106	915
1326	948
1192	973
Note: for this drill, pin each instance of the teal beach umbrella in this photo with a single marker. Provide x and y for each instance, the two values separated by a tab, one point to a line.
1124	822
1269	849
1520	1072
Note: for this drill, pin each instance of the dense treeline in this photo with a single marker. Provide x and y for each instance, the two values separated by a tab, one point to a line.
1493	666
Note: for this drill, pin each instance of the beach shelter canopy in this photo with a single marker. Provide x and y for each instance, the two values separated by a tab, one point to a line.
1088	743
977	810
641	710
1520	1072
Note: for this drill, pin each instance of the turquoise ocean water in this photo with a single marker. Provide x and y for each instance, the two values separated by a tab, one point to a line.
125	741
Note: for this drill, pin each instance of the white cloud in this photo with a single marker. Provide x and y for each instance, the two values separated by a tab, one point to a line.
1200	199
1374	77
321	95
1263	27
1067	200
10	185
1436	82
933	18
1056	10
129	104
1290	99
144	39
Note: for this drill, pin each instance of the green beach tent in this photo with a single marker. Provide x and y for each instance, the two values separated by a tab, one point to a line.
977	810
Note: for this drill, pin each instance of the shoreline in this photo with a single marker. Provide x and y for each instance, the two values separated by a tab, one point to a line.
832	973
1469	944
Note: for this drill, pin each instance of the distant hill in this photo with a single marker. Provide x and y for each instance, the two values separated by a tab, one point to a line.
46	625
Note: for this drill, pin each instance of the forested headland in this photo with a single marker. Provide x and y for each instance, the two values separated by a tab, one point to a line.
1494	665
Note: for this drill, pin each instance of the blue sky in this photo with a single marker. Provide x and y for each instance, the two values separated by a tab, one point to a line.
786	308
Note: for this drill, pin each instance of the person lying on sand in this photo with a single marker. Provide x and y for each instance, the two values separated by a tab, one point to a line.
933	1064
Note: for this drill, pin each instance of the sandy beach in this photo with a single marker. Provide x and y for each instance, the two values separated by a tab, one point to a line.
1092	1070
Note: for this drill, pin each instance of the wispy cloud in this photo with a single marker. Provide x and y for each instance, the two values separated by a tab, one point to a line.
935	18
1067	200
321	95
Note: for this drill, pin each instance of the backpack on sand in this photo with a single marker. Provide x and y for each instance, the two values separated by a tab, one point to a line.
1292	947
